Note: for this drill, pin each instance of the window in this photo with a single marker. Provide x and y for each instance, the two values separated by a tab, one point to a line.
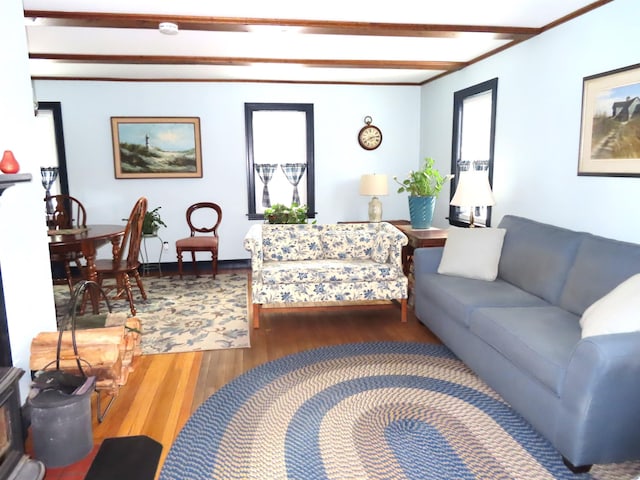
279	156
474	127
50	144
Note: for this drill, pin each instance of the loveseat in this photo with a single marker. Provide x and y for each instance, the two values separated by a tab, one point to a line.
309	263
570	369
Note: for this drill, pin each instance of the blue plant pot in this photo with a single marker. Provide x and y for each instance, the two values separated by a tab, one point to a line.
421	211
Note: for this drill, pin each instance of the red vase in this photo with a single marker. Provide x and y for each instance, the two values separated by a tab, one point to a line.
9	164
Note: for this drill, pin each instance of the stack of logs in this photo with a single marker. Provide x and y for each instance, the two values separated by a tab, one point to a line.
107	353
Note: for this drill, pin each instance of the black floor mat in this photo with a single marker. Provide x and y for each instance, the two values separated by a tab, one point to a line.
126	458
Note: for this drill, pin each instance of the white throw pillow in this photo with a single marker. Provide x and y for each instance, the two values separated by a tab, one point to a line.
472	252
617	312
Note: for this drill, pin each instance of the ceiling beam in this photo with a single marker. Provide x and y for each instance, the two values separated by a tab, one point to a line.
243	61
227	24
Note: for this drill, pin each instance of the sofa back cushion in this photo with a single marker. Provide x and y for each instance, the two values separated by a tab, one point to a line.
601	265
347	245
291	242
537	257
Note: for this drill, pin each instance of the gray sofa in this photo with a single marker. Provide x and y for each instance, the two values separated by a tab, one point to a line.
521	334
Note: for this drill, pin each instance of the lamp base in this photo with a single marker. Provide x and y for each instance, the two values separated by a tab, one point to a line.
375	210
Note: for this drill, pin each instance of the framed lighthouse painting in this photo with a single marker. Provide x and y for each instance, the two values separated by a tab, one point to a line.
156	147
610	130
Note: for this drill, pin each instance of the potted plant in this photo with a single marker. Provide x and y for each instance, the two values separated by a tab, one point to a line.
423	187
280	213
152	222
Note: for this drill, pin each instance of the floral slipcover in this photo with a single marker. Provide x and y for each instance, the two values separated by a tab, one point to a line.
326	263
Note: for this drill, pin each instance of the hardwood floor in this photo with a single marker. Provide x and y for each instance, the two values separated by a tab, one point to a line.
164	390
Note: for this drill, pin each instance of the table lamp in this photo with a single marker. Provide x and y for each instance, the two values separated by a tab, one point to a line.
473	190
374	185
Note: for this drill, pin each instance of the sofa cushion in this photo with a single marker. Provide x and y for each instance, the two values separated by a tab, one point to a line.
616	312
537	257
347	245
537	340
601	264
319	271
289	244
472	252
460	296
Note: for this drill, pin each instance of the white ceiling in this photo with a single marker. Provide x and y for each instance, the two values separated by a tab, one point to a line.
374	42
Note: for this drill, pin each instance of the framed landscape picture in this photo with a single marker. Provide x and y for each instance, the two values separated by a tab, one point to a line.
610	131
156	147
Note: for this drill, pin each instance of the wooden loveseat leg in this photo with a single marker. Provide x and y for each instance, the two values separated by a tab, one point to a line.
403	310
256	315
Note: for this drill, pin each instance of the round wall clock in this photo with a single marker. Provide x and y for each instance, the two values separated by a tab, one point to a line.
369	136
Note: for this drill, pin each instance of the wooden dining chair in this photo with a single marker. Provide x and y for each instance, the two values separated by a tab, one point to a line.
203	218
126	262
67	212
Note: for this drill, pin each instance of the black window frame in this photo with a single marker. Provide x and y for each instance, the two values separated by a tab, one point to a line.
307	108
485	164
56	110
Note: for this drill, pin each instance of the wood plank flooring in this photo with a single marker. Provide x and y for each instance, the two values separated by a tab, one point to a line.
164	390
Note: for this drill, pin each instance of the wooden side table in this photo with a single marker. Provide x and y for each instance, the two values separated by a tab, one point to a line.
432	237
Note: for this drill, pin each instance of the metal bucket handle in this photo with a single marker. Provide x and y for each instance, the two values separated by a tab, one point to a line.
70	318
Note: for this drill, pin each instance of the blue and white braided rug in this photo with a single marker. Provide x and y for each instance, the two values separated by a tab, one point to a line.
386	410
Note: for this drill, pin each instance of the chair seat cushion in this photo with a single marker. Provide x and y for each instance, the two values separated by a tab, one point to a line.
197	242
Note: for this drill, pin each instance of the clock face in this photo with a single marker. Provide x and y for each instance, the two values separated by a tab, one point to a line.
370	137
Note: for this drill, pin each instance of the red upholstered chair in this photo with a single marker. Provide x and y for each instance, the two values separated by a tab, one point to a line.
202	218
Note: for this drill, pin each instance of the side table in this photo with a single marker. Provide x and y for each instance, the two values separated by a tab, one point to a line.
146	265
432	237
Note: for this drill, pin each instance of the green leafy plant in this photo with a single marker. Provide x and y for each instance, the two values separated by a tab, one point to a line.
280	213
152	222
425	182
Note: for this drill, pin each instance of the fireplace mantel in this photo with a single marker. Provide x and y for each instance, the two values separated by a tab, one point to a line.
8	180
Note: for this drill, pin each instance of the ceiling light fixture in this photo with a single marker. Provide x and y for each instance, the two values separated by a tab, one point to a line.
168	28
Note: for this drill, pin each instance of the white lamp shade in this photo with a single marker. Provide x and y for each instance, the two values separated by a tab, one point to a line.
473	190
374	185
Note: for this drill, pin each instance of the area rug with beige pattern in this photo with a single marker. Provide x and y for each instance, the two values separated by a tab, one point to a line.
185	315
384	410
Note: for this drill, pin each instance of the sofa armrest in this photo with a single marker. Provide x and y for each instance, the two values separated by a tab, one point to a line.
601	399
426	260
253	244
397	240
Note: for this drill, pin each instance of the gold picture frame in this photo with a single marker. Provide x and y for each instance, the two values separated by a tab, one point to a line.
156	147
609	141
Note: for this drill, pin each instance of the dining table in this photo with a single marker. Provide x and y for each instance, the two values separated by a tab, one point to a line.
87	240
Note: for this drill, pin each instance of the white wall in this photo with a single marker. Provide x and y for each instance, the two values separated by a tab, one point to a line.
538	124
339	160
24	253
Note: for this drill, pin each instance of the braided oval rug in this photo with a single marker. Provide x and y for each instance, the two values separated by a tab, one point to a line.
372	410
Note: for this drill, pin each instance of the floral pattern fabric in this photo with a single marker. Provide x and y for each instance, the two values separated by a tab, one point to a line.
326	263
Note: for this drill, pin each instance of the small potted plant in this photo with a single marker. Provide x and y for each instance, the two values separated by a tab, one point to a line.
152	222
423	187
280	213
